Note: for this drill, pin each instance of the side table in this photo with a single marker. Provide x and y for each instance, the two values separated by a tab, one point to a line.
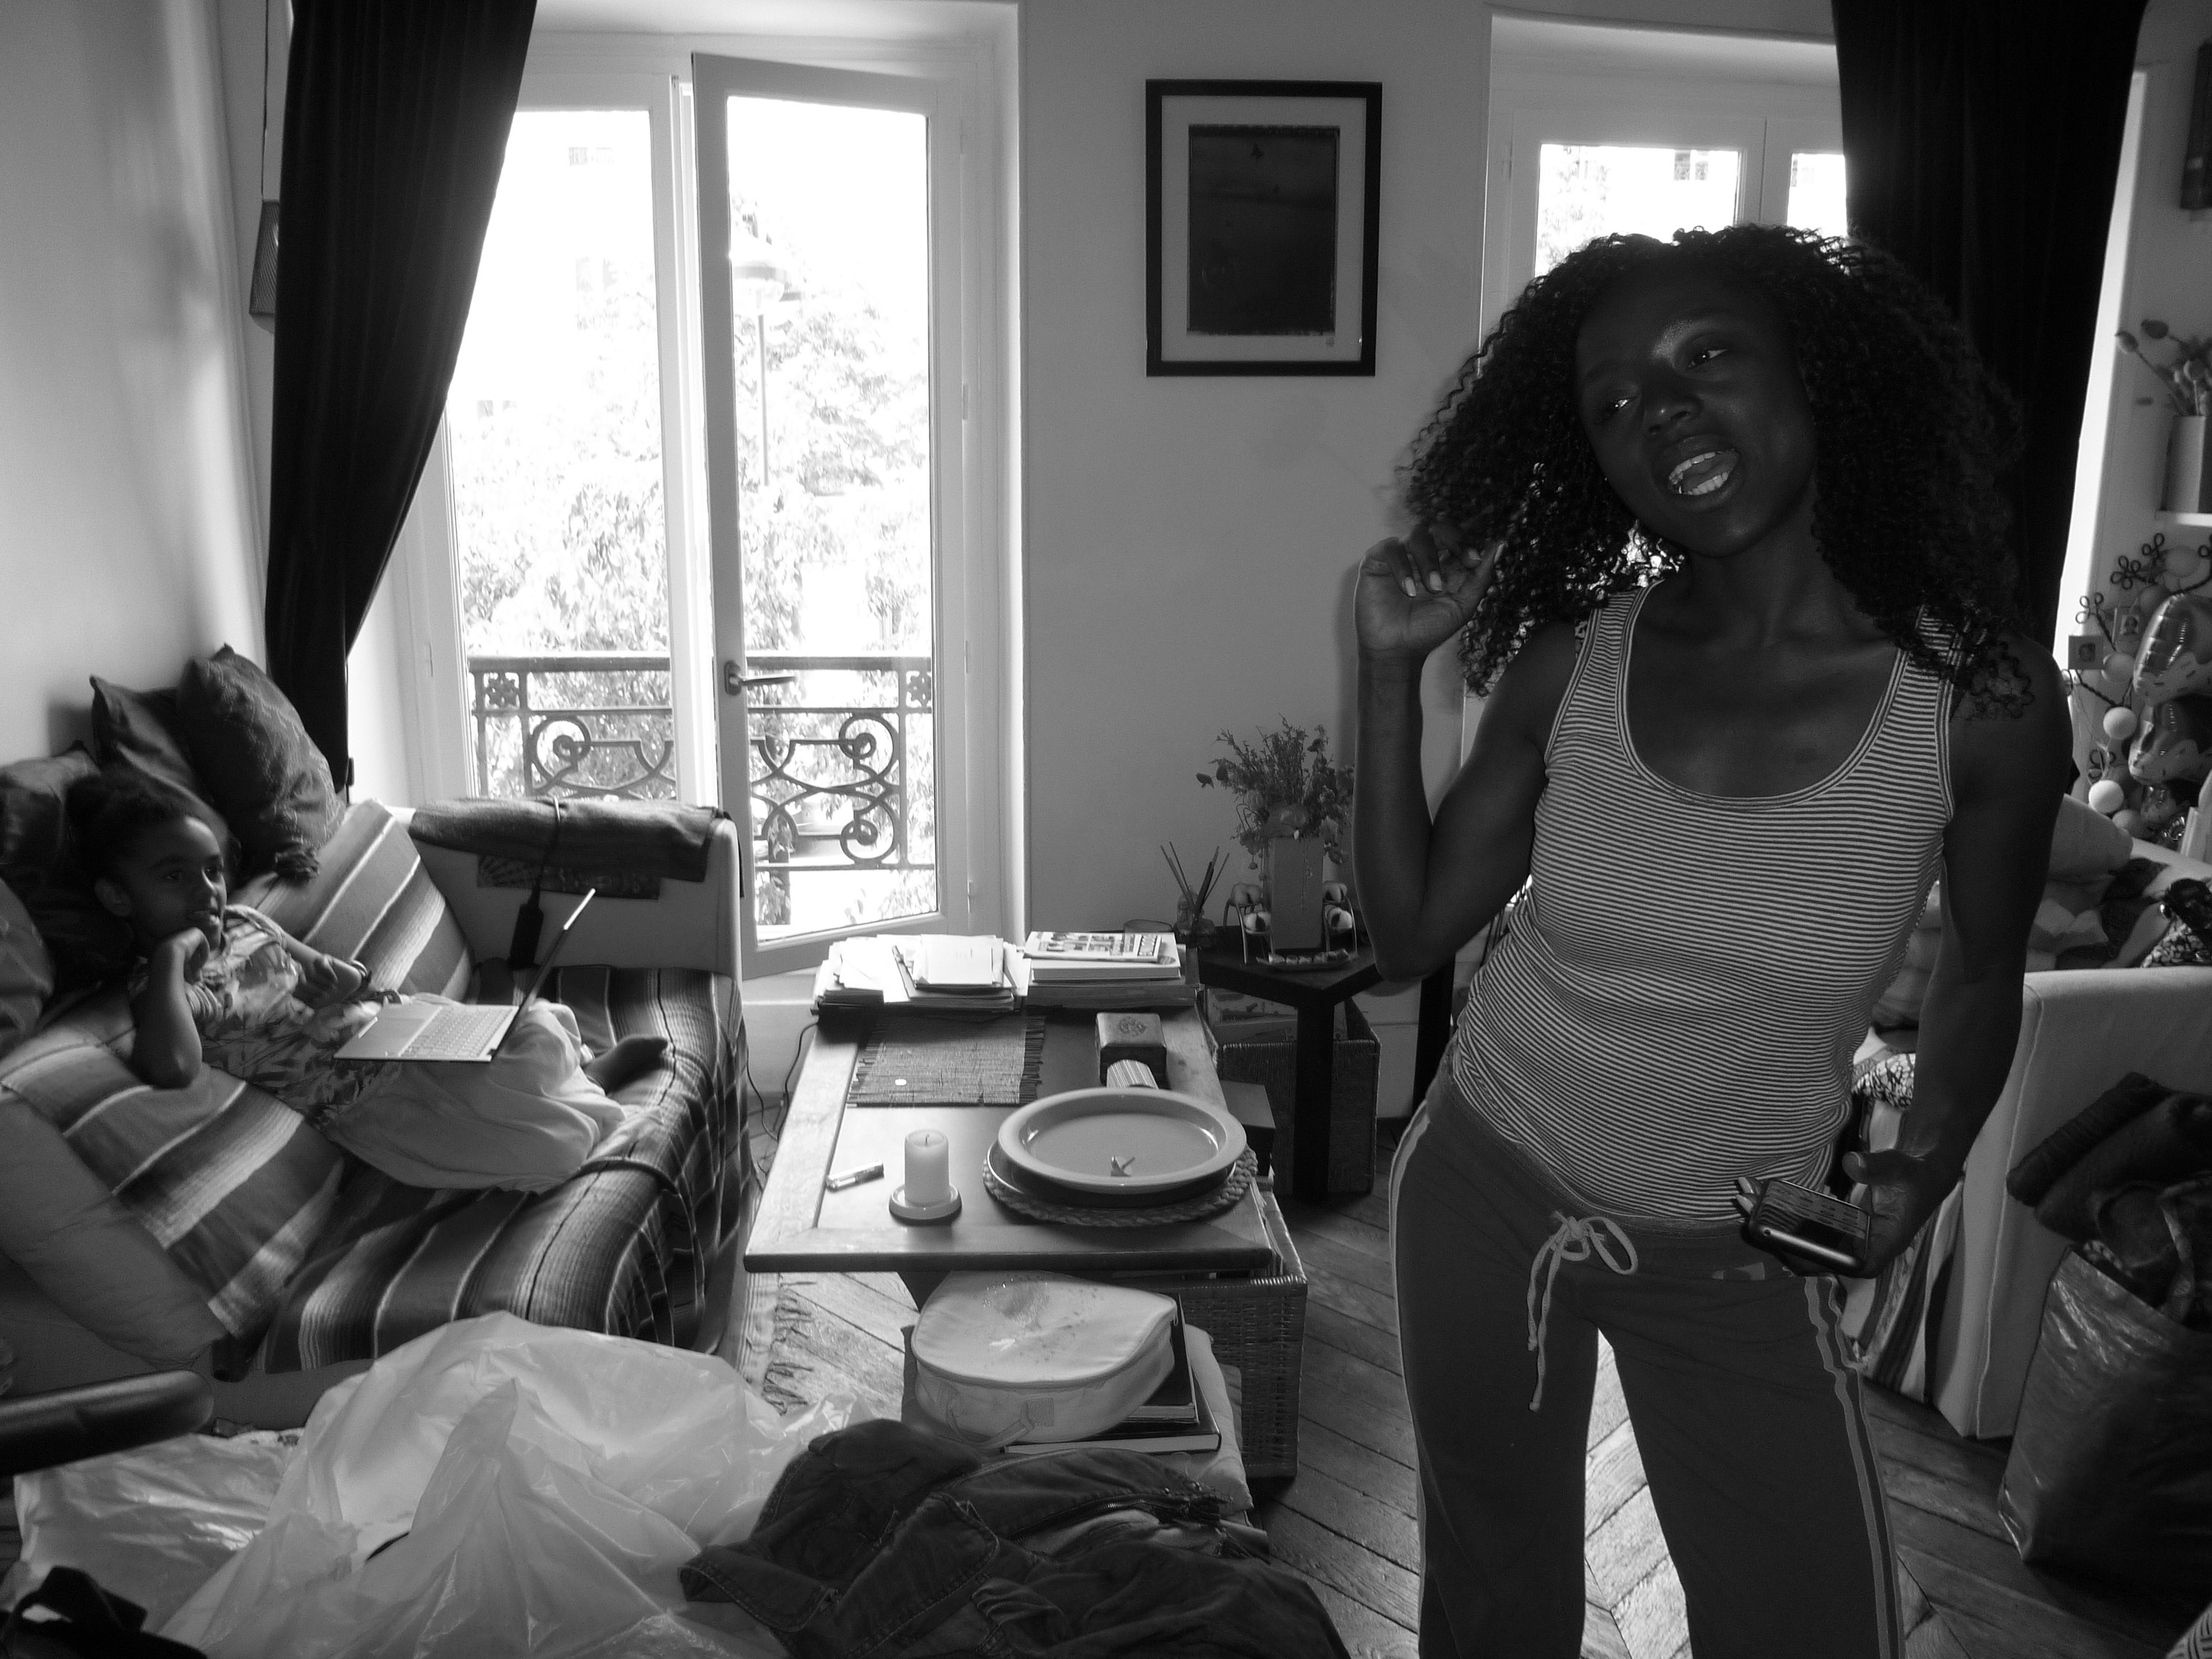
1314	996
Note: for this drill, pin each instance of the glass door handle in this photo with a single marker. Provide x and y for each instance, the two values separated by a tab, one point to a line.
736	682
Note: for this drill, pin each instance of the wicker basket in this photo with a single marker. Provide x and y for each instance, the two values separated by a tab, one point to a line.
1356	1062
1258	1325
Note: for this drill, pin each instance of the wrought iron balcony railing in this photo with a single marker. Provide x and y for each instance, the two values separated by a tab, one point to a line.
841	773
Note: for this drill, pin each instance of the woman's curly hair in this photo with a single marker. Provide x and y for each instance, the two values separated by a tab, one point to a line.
1911	433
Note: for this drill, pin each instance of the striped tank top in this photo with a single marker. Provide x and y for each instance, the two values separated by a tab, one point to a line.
1681	984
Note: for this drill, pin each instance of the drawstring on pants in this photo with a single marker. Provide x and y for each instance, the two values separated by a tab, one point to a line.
1575	1239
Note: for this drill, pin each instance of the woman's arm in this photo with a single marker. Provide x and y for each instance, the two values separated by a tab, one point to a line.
2007	772
1426	888
164	1050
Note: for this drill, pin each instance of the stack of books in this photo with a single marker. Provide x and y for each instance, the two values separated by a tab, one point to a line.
1174	1419
1105	971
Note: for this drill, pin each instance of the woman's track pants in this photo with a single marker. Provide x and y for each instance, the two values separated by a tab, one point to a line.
1745	1415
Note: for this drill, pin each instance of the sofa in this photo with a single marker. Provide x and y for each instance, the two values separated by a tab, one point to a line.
144	1229
1964	1309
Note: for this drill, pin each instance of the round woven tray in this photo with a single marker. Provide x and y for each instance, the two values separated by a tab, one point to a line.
1233	1187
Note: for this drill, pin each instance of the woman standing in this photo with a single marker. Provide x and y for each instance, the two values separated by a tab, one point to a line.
1739	605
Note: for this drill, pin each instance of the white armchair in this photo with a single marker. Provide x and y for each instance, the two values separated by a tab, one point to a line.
2081	1033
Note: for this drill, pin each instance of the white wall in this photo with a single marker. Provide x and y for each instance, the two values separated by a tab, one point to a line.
126	518
1806	19
2168	275
1189	541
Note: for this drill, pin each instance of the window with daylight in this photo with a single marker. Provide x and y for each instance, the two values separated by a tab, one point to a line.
1600	131
720	475
829	210
560	531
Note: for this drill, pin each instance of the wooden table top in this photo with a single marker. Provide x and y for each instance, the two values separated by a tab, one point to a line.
801	1227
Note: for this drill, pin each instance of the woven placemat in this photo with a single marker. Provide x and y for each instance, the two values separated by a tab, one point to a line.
1227	1196
934	1059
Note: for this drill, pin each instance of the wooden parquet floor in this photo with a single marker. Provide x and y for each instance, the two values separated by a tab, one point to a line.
1346	1520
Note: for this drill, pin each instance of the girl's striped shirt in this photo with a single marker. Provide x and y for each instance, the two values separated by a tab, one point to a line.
1683	981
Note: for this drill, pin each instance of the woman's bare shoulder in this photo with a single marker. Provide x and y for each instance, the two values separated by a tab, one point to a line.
1530	691
2020	732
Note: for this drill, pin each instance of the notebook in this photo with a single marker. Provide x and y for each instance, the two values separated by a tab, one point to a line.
451	1033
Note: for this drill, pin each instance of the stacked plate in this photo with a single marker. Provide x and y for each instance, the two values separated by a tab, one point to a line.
1117	1148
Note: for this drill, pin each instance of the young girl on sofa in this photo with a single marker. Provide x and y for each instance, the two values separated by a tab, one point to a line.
222	984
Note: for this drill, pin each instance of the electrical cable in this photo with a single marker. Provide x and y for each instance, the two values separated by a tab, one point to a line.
530	920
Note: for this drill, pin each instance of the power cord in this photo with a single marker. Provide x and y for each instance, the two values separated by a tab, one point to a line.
530	920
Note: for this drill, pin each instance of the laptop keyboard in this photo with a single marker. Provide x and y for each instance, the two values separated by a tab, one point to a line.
457	1034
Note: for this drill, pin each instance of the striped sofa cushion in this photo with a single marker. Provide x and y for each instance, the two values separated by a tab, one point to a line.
623	1247
229	1180
372	901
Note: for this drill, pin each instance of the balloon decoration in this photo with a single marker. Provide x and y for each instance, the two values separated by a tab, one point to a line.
2142	688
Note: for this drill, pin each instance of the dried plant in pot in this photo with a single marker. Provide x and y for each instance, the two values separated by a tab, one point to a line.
1293	813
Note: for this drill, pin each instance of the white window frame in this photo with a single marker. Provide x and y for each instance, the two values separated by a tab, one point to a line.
978	718
1669	106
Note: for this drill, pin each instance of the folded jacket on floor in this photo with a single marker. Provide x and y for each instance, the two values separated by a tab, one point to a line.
882	1541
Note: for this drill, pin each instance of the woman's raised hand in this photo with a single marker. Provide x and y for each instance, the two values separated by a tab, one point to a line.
1415	592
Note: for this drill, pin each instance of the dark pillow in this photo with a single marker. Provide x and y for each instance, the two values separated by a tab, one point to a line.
88	944
138	730
262	770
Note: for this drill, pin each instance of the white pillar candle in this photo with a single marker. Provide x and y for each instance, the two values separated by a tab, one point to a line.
928	1157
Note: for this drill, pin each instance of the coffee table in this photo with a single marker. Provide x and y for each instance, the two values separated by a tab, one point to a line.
802	1227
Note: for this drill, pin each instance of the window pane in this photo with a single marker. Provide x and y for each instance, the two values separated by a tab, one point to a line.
829	271
1587	191
1816	191
554	422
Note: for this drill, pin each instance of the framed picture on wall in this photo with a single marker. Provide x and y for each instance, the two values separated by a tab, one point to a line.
1261	212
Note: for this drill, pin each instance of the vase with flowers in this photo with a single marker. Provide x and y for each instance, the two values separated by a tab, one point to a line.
1293	807
2186	374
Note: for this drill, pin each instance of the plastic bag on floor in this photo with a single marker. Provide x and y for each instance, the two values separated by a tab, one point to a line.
2111	1469
152	1524
500	1487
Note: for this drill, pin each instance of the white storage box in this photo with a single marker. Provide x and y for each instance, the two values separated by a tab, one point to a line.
1006	1357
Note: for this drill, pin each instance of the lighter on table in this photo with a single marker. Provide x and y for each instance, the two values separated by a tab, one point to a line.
837	1183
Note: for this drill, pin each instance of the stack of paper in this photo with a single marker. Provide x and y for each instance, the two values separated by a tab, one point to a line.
925	973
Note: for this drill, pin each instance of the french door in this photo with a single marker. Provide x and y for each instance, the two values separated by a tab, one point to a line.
830	316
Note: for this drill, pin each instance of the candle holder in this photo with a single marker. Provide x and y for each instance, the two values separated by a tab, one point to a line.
926	1151
906	1211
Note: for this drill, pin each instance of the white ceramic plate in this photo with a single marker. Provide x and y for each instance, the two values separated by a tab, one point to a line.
1122	1142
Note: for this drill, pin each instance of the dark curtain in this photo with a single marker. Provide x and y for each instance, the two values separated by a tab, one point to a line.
396	115
1982	139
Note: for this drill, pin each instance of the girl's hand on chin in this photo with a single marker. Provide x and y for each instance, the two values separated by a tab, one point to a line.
191	947
1416	592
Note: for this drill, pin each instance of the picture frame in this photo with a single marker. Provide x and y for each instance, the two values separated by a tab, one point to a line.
1262	220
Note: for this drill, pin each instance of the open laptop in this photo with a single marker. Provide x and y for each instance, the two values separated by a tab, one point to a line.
453	1032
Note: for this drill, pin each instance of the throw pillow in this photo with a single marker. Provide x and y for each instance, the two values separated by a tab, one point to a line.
88	944
138	730
2085	843
26	972
262	770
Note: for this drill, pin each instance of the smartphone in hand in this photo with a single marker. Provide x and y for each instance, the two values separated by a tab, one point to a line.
1785	1217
